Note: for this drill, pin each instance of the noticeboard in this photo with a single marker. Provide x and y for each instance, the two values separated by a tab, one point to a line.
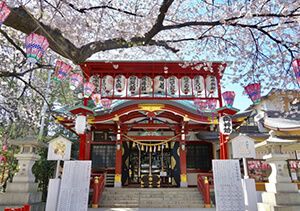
75	186
228	185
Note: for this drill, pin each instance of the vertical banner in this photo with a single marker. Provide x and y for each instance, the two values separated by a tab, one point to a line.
228	185
75	186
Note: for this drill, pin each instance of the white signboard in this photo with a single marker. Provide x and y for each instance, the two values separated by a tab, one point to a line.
59	149
243	147
52	196
75	186
228	185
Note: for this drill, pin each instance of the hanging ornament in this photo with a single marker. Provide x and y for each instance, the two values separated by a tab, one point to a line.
88	89
75	81
36	45
198	85
201	105
133	144
146	85
229	98
97	100
120	83
4	12
133	85
296	67
159	84
211	84
106	103
253	91
172	85
142	149
158	148
107	84
211	106
186	85
61	70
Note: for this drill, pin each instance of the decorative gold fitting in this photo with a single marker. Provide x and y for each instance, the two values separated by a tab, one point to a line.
205	180
207	206
96	180
94	205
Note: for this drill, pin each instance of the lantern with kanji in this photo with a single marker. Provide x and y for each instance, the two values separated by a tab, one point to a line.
253	91
198	85
296	67
97	99
107	84
133	85
4	12
62	70
229	98
211	84
172	85
36	45
159	84
120	83
146	85
75	81
186	85
106	103
88	89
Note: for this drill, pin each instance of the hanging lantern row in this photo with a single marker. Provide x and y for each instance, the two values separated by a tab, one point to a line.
296	67
4	12
228	98
159	84
253	91
36	46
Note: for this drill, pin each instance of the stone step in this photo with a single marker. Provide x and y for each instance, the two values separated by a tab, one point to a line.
281	199
264	207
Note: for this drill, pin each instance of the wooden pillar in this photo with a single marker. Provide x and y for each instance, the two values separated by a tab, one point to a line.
118	165
182	153
223	147
82	142
88	140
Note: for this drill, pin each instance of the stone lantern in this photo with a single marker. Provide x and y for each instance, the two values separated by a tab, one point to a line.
280	191
24	189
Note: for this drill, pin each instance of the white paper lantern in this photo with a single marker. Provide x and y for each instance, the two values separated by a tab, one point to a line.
80	124
211	84
159	84
133	85
146	85
95	80
225	124
186	85
198	84
172	85
107	83
119	83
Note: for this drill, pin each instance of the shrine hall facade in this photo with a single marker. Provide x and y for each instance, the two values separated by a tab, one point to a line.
157	125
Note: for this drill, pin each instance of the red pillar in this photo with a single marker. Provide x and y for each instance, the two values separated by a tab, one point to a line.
182	153
82	143
88	140
118	165
223	147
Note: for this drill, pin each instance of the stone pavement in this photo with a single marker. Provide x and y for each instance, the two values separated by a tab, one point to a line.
152	209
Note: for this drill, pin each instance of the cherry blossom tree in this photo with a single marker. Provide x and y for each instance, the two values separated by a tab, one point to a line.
258	38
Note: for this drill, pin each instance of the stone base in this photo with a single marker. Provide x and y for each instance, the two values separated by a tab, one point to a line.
267	207
33	207
281	198
21	187
281	187
183	184
117	184
15	198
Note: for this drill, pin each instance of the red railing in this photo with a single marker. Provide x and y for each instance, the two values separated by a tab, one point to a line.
98	184
26	207
204	187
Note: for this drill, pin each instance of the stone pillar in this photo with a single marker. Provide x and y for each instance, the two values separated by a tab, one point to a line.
23	189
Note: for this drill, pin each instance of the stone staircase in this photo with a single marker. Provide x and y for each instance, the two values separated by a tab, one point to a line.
109	180
151	198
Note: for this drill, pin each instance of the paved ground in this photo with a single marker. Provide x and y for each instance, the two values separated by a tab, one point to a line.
152	209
